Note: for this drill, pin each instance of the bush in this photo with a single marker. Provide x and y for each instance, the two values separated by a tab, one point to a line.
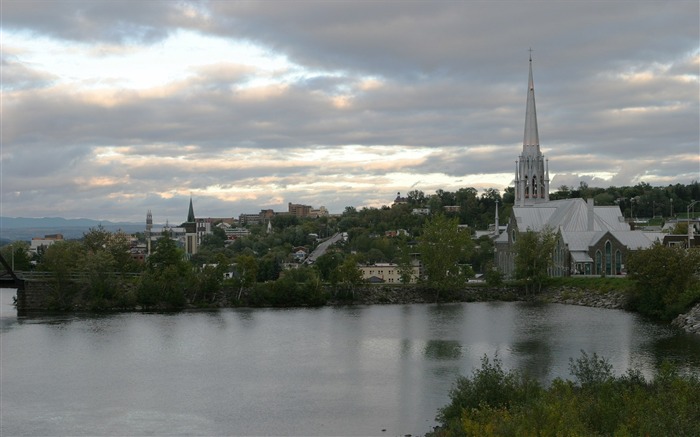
497	403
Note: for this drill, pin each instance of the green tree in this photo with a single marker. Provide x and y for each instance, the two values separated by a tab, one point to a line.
246	272
349	274
17	255
443	246
533	256
666	279
327	263
63	259
168	276
405	262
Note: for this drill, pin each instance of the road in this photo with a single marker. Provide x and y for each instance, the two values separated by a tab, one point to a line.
321	248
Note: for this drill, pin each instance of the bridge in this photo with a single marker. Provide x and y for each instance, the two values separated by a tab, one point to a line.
8	278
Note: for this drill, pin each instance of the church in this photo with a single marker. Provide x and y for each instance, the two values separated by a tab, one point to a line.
591	240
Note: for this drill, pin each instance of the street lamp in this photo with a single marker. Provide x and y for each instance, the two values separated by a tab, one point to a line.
692	205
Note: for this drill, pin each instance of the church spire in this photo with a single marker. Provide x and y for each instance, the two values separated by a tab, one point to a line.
190	214
532	171
531	138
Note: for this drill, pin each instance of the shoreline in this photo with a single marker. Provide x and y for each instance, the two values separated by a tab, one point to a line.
384	294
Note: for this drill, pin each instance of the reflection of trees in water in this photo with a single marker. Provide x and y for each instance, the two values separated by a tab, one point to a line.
444	319
682	350
532	345
443	350
534	357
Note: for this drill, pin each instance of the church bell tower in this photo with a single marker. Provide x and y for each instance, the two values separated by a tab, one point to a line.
531	169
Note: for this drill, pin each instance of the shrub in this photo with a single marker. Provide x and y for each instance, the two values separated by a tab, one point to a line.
497	403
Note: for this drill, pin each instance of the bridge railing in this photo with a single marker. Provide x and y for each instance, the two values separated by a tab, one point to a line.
73	276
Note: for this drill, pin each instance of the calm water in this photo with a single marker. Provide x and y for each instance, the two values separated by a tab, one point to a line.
327	371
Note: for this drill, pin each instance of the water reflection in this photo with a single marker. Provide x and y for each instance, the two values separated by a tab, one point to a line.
443	350
343	370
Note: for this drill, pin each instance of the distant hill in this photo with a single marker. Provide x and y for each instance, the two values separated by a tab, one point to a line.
22	228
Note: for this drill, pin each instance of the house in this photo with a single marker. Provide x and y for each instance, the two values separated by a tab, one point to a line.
300	253
388	273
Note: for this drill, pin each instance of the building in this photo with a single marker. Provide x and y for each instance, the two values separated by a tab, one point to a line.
187	234
299	210
39	243
388	273
591	240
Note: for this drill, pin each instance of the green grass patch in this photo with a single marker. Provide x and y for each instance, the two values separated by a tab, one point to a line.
601	285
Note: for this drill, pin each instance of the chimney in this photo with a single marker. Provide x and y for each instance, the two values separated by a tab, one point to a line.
591	213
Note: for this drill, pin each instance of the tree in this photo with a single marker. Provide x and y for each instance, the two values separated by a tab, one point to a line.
416	198
442	247
62	259
667	280
405	263
349	274
533	256
17	255
246	272
327	263
168	276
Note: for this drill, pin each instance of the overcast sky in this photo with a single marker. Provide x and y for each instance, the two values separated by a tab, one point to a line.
112	108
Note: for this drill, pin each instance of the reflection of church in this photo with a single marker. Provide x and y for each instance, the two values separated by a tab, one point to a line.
591	240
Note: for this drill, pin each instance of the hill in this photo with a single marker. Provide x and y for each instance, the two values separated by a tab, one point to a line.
23	228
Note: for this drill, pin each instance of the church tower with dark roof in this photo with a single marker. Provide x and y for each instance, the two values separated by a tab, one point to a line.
531	169
190	231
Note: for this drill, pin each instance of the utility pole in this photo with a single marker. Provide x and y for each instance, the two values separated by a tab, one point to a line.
690	230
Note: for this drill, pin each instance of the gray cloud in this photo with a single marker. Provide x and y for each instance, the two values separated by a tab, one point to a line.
426	88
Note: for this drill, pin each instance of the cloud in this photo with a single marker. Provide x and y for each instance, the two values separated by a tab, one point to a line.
108	110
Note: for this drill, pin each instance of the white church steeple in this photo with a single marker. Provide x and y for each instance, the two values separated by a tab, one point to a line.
531	170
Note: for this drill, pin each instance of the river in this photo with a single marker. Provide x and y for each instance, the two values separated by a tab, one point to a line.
365	370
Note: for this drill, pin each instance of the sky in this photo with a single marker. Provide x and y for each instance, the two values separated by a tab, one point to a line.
113	108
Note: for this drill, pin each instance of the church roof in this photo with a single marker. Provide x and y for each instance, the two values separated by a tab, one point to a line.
568	215
190	213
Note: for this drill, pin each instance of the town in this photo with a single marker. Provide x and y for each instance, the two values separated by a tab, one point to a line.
439	241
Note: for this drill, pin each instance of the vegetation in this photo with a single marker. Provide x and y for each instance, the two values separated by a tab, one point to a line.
493	402
445	250
247	270
667	280
533	256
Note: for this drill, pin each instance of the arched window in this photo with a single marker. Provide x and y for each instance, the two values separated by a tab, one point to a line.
598	262
608	258
527	188
618	262
535	192
512	235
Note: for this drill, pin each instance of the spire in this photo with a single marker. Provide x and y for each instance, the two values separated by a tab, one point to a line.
531	137
190	214
532	171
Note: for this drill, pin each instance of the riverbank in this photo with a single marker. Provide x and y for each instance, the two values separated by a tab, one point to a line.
690	321
38	299
400	294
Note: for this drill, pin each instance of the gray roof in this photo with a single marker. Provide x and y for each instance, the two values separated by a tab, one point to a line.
581	257
569	215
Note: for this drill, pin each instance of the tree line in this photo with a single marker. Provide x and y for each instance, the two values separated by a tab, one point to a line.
252	270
